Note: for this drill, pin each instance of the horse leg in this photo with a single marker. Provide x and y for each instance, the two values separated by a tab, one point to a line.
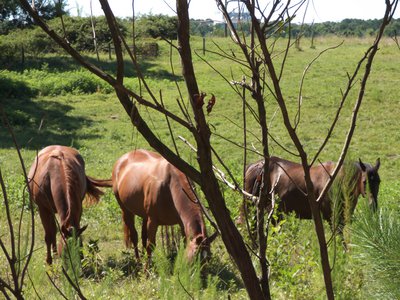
130	233
144	233
151	239
50	231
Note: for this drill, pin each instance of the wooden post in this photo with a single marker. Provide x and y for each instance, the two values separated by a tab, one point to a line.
22	58
204	45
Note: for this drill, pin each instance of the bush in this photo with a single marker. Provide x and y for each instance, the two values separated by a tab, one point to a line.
78	32
157	26
147	49
74	82
12	87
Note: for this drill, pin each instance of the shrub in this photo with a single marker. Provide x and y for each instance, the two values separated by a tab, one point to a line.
78	32
11	87
147	49
73	82
157	26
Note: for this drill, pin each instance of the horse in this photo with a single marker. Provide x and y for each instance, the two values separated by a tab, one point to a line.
147	185
287	179
58	184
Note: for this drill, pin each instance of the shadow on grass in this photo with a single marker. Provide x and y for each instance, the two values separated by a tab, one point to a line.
228	278
63	63
39	124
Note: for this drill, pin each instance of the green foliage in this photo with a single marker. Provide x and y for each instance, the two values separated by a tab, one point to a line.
347	27
78	32
72	82
181	280
201	27
12	15
147	49
157	26
341	196
71	263
12	87
297	279
92	262
377	246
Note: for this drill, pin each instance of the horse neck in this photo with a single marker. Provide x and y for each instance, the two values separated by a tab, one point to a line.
187	207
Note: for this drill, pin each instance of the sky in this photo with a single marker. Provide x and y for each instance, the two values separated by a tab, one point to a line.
318	10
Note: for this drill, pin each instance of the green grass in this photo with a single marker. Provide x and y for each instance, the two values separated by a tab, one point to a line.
92	120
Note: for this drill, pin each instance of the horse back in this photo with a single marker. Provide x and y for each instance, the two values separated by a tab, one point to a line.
141	183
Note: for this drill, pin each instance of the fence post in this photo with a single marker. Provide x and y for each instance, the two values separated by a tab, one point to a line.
204	45
22	58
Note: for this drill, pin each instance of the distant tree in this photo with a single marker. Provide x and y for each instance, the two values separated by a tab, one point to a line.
13	16
157	26
201	27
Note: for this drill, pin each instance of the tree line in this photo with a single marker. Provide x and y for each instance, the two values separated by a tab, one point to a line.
12	17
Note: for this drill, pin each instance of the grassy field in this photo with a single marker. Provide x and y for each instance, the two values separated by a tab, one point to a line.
51	106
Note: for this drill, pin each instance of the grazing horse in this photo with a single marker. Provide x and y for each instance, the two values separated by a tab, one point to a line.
288	180
147	185
58	184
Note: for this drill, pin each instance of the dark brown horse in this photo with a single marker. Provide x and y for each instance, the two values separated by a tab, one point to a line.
58	184
147	185
290	186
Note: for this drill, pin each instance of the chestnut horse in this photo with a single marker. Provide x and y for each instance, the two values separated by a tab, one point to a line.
290	186
147	185
58	184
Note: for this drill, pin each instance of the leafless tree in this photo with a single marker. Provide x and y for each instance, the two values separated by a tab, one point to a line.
265	77
17	260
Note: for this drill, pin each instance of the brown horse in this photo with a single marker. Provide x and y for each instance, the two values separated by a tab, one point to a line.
58	185
147	185
290	186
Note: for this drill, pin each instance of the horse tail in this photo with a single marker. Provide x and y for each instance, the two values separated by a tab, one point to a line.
253	176
62	196
93	193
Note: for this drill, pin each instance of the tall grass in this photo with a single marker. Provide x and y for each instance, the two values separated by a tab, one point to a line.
376	238
180	280
342	196
71	264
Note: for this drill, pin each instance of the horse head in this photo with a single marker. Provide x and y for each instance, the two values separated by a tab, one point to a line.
370	178
69	232
200	245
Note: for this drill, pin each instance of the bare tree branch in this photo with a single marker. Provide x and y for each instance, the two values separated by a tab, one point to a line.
369	56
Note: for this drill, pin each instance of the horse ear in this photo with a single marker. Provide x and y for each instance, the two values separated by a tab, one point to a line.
378	164
363	167
81	230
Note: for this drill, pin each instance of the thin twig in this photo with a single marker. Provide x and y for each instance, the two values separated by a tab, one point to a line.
220	175
56	287
186	291
300	95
